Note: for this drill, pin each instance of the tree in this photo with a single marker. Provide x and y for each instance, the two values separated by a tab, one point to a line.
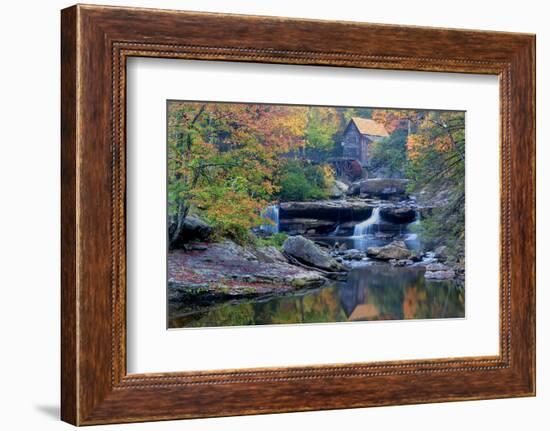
436	164
388	157
396	119
222	159
322	124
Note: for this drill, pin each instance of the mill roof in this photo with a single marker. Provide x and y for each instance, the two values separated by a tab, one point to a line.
369	127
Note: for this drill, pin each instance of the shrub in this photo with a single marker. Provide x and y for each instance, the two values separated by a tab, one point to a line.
275	240
302	181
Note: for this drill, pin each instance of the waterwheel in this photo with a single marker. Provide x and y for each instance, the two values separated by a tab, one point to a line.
349	168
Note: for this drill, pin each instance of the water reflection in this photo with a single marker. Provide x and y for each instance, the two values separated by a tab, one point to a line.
370	293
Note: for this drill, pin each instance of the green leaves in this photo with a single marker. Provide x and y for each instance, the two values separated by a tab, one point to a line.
436	166
388	157
302	181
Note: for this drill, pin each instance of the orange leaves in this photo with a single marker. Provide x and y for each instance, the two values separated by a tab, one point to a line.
393	119
415	145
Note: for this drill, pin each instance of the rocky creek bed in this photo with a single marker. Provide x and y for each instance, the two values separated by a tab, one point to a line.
213	272
367	225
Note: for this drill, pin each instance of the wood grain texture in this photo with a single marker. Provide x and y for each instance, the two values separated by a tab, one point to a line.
96	41
69	366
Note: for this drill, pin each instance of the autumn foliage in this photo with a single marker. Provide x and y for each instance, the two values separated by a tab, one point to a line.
228	161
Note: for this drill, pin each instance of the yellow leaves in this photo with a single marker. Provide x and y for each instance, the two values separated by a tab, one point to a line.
328	173
269	187
236	208
415	145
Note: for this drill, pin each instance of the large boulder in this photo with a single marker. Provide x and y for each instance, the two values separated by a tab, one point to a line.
309	253
383	187
398	214
195	228
338	189
192	229
395	250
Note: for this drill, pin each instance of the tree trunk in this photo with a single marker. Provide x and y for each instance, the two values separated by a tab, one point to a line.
180	217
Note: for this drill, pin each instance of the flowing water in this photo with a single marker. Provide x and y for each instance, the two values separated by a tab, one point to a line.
368	226
371	291
376	292
271	213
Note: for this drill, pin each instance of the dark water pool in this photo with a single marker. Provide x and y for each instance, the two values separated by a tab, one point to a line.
377	292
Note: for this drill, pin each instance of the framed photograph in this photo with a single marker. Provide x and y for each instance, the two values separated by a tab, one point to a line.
264	215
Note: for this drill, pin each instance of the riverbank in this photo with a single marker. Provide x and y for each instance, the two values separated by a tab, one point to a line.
208	272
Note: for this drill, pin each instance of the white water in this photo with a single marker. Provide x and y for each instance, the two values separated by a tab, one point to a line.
335	232
271	213
367	226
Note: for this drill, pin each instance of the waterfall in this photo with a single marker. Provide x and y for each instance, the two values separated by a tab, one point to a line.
271	213
411	238
367	226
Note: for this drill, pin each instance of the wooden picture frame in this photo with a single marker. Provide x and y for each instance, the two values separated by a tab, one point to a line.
96	41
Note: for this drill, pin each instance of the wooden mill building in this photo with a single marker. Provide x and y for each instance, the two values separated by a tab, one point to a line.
359	133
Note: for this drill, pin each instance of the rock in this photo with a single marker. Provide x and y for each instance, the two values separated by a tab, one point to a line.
438	271
436	267
383	235
439	275
269	254
193	228
227	270
353	254
178	291
309	253
338	189
339	246
299	226
229	248
383	187
395	250
401	262
336	211
398	214
428	199
441	253
196	247
416	257
354	188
